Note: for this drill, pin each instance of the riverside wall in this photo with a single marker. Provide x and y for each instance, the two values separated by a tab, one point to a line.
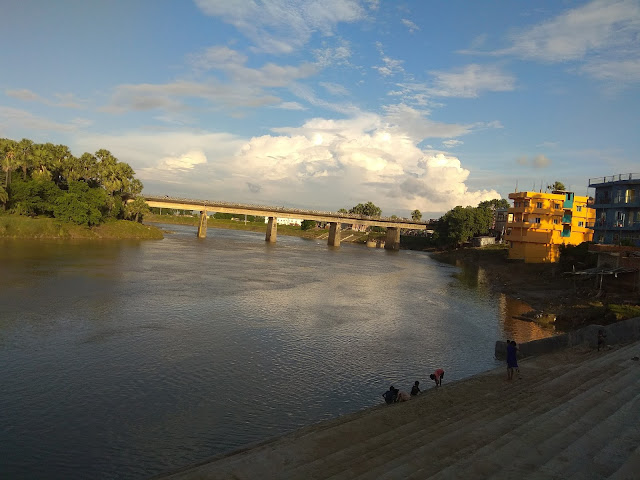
624	331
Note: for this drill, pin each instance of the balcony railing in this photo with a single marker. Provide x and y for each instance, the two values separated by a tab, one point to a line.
600	225
566	219
622	177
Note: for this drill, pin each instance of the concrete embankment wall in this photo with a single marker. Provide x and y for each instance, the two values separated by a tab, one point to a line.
624	331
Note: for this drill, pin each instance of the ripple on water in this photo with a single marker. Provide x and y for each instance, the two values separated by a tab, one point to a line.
125	360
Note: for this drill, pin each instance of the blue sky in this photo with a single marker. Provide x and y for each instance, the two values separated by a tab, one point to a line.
324	104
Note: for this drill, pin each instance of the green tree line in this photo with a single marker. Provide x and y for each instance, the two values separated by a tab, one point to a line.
47	179
460	224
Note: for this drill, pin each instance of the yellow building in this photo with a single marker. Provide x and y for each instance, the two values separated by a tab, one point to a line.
540	222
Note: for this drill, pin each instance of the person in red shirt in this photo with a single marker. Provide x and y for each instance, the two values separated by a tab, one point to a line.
437	376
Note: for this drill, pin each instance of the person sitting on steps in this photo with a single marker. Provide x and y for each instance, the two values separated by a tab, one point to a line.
391	395
415	390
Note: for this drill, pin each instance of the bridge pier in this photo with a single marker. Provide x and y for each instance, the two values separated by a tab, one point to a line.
392	242
334	234
202	226
272	230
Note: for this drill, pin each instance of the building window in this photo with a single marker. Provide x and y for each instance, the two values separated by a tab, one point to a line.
556	221
581	224
557	206
579	208
538	204
527	203
536	220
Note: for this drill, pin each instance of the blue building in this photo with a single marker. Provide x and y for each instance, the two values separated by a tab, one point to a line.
617	204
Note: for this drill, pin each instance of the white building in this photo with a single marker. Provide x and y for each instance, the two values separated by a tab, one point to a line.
285	221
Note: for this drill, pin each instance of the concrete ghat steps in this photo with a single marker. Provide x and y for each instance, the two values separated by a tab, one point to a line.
491	427
551	419
629	470
431	455
581	452
565	405
525	447
465	412
380	445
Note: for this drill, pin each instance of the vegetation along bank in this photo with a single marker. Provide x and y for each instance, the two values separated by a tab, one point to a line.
47	192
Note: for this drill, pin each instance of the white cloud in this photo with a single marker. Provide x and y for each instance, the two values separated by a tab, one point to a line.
452	143
602	35
233	64
173	96
369	156
621	72
596	26
290	106
282	26
65	100
334	162
470	81
410	25
390	66
339	55
13	118
243	86
186	161
334	88
180	162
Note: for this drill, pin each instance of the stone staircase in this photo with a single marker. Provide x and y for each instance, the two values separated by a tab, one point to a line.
574	414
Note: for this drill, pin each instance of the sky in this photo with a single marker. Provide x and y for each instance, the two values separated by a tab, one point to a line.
324	104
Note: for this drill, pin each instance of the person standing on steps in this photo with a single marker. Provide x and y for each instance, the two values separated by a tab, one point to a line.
602	343
437	376
512	358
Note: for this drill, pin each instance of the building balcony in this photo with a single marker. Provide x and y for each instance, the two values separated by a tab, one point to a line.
566	219
599	225
623	177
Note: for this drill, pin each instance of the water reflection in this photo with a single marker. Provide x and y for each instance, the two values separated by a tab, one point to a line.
510	309
122	360
518	329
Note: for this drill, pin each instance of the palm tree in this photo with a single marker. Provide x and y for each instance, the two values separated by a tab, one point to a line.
24	156
416	215
136	209
8	158
4	197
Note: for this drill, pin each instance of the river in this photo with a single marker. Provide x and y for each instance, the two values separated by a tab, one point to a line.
128	359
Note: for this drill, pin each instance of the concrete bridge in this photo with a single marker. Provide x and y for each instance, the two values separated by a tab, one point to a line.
393	225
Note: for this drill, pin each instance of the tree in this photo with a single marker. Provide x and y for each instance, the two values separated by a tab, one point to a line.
4	196
343	210
308	224
136	209
416	215
461	223
8	159
368	210
24	156
556	186
494	204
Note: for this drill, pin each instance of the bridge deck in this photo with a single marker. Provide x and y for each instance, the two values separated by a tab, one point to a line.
280	212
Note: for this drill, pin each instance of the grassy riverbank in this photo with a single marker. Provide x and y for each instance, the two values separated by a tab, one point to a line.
573	301
17	226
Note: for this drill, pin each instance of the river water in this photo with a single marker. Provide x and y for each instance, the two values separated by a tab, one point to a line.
128	359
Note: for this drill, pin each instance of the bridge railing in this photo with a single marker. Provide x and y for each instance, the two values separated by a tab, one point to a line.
253	206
